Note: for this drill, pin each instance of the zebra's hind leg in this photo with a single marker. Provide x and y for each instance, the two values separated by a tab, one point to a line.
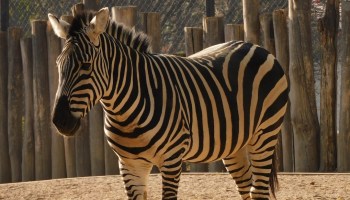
135	176
262	157
239	167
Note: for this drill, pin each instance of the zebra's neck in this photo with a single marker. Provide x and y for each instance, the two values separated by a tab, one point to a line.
127	93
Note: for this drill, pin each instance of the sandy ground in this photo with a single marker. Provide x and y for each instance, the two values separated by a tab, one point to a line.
192	186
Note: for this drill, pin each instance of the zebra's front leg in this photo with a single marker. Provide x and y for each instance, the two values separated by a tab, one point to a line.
135	176
171	172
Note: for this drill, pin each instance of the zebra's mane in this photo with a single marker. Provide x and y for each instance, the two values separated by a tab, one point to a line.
136	40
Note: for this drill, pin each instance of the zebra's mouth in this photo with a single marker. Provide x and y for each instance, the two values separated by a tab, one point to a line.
63	119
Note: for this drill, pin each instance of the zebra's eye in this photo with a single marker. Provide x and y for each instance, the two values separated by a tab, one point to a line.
86	66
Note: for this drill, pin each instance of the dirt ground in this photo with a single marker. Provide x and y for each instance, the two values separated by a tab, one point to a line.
192	186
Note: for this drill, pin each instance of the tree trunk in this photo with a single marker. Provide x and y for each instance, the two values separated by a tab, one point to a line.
344	125
42	123
251	21
57	149
282	55
328	26
28	150
302	91
5	164
15	102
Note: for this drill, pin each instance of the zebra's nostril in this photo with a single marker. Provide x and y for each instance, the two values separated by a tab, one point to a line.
62	118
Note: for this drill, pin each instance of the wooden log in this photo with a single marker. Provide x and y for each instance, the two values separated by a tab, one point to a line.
111	160
57	149
282	55
28	150
42	122
97	141
15	102
344	118
213	28
151	26
302	91
5	164
125	14
328	27
69	142
193	40
234	32
82	148
251	21
266	24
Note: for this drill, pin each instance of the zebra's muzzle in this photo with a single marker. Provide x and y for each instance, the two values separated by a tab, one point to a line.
63	119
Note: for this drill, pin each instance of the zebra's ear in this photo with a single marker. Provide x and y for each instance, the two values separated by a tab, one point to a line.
60	27
99	23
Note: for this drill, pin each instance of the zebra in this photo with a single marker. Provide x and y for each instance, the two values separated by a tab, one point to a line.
226	103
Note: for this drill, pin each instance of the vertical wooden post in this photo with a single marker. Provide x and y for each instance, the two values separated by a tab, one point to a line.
282	55
5	164
96	141
193	40
125	14
28	151
210	8
213	28
111	160
42	122
57	149
234	32
82	148
344	125
266	24
15	102
151	26
193	44
328	27
69	142
251	21
302	91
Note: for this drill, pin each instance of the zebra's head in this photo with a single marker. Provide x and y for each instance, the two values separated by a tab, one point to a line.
80	86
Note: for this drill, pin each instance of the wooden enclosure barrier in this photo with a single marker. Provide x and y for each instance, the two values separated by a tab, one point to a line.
151	26
213	28
234	32
282	55
28	146
5	166
15	102
193	40
251	21
42	122
125	14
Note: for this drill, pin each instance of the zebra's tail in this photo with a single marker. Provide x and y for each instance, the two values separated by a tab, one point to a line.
273	175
